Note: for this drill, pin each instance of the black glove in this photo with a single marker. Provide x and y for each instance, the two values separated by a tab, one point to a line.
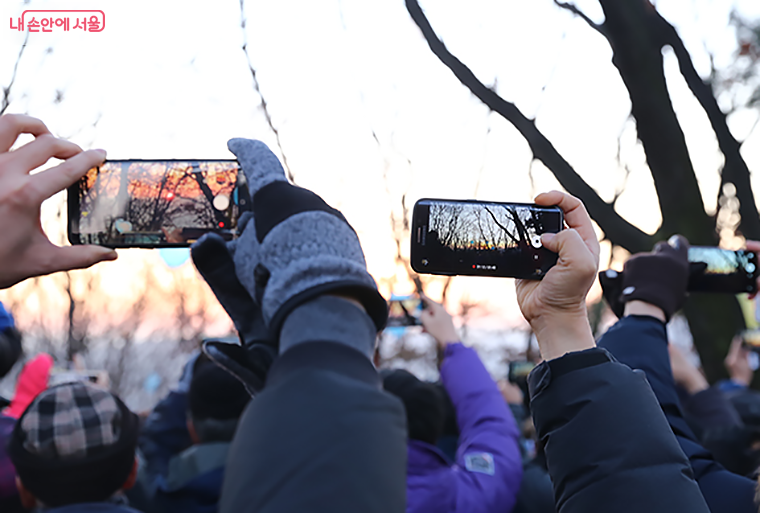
659	278
250	360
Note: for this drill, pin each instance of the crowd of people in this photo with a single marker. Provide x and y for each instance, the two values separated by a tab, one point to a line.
297	418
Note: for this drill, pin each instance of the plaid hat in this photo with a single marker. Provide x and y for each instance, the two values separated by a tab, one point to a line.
74	443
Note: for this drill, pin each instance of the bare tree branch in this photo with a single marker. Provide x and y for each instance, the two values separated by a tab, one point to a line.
735	169
7	90
617	229
582	15
264	104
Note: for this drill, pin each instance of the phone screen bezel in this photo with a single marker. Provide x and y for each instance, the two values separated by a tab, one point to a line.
420	215
74	213
750	280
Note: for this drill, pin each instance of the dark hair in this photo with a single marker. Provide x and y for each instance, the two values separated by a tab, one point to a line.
423	404
216	401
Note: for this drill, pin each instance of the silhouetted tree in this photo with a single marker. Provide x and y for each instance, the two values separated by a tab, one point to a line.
637	35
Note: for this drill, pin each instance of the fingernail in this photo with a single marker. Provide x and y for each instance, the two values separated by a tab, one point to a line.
102	153
548	237
109	254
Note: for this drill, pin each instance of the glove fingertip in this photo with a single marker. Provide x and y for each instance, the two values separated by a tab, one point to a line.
210	252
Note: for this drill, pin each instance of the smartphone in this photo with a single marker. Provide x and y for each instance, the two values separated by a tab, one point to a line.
475	238
156	203
751	339
726	271
518	371
404	311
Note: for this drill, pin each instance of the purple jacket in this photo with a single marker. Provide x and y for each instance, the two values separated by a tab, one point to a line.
488	470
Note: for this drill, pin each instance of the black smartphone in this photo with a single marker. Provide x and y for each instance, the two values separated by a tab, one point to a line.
476	238
404	311
518	371
156	203
726	271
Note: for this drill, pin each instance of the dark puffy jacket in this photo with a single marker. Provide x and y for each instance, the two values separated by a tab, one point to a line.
322	437
641	342
608	445
93	507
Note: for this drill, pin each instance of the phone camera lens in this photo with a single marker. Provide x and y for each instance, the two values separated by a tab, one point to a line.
750	267
425	262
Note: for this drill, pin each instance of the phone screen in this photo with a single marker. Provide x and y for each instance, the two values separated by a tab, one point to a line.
482	239
156	203
404	311
518	371
724	270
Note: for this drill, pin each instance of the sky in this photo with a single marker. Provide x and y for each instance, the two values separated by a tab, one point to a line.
365	112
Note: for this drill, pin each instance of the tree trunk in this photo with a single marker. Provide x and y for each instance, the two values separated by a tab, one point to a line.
637	35
634	30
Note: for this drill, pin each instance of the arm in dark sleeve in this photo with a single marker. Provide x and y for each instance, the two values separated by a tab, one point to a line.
711	409
322	436
488	456
608	445
641	343
164	434
10	341
10	349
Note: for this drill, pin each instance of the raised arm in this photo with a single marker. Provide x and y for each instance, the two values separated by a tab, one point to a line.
608	445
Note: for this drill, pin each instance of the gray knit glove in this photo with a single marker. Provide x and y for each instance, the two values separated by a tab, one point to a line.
296	247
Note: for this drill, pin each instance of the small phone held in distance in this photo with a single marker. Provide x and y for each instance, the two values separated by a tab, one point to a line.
475	238
156	203
751	339
404	311
518	371
726	271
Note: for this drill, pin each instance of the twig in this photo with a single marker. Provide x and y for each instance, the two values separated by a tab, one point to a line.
7	89
614	226
264	104
582	15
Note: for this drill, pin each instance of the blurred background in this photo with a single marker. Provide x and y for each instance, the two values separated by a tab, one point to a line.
360	110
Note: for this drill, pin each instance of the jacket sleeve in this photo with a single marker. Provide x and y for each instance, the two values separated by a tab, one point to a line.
10	349
641	342
322	436
608	445
489	464
10	341
164	435
711	409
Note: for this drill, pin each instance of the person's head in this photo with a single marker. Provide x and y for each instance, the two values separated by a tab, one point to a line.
75	443
215	403
425	413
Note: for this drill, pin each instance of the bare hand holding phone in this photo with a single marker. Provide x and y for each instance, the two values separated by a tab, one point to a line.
438	322
26	251
555	307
